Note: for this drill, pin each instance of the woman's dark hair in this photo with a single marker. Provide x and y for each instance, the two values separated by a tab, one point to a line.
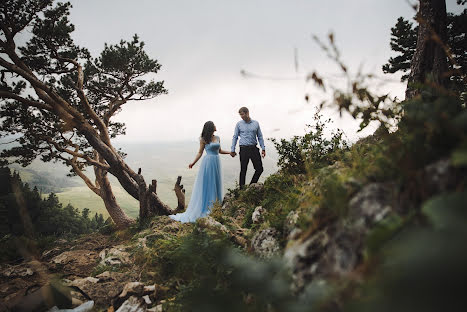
208	130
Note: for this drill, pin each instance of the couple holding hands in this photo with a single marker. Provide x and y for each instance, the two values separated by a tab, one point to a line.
208	183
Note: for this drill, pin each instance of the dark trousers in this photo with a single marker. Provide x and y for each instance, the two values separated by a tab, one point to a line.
247	153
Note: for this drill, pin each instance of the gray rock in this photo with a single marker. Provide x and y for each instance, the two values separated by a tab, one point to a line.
294	234
257	186
209	222
290	222
132	288
265	244
439	176
258	215
114	256
327	253
84	307
371	204
157	308
17	271
133	304
336	250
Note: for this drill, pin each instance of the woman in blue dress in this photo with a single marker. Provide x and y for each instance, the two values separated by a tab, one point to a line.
208	183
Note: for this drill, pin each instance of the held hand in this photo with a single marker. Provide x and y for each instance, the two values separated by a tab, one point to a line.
190	166
233	154
263	153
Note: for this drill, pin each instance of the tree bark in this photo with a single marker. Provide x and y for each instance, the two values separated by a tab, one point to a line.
98	137
119	217
430	56
151	205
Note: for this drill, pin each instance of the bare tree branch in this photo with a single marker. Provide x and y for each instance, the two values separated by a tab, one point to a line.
9	95
88	159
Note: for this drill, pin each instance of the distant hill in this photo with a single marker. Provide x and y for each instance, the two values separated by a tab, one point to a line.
160	161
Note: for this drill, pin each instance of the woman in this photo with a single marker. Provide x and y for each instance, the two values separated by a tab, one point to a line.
208	184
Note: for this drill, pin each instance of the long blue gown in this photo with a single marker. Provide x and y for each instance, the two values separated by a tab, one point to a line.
207	188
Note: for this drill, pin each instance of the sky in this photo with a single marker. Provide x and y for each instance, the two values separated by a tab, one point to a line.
203	45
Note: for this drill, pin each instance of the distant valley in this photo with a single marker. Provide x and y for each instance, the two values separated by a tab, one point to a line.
160	161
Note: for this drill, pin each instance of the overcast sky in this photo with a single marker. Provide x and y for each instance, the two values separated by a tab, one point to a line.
203	45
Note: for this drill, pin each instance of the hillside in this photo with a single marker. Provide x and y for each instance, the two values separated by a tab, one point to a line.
161	161
358	228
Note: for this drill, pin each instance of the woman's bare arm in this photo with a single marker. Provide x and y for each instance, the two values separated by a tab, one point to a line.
200	153
221	151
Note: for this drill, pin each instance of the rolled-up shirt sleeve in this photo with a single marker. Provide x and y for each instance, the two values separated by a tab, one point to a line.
260	138
235	138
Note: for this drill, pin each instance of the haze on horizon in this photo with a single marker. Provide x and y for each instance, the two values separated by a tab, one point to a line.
204	45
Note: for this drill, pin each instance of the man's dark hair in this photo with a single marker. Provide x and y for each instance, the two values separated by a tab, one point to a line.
243	109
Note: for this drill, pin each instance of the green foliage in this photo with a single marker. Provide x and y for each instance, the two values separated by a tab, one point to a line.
404	42
281	196
334	195
427	262
61	102
311	150
219	278
428	130
48	217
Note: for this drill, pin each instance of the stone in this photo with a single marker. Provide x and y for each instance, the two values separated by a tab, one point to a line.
336	249
209	222
333	251
109	286
439	176
84	307
114	256
290	222
76	262
80	282
258	215
157	308
132	288
294	234
133	304
51	253
147	300
257	186
264	243
17	271
371	204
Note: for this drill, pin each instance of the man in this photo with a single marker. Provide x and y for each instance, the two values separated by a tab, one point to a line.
248	130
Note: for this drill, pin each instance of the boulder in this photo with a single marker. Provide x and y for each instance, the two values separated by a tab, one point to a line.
336	249
440	176
371	204
104	288
114	256
256	186
258	215
133	304
211	223
290	222
75	262
265	244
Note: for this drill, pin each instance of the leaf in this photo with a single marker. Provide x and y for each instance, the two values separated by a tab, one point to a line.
459	157
447	211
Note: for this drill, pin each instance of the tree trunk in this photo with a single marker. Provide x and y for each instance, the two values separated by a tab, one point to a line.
430	57
121	219
150	204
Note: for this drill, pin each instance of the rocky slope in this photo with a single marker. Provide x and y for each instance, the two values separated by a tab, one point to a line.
122	271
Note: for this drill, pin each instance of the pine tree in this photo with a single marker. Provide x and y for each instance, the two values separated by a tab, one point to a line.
63	102
403	41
